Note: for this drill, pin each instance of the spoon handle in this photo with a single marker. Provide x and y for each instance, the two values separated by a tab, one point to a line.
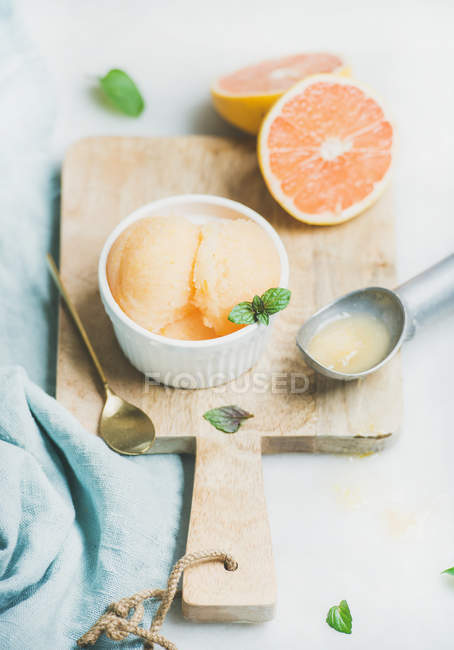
76	320
429	295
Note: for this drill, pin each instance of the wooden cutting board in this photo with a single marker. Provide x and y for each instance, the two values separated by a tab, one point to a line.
104	179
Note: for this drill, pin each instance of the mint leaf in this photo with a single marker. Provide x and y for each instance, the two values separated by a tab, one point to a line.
257	305
123	92
449	571
339	618
260	308
263	318
275	300
242	314
227	418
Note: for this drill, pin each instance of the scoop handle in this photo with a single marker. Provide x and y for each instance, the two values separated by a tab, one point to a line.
229	513
429	295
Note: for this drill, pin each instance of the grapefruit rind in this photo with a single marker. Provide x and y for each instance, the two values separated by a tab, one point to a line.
247	111
273	184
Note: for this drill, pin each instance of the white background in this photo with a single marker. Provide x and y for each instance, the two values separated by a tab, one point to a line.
378	530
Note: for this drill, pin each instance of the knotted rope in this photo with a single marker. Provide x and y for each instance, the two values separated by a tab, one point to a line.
117	624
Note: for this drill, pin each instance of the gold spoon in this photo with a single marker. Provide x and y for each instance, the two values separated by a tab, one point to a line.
124	427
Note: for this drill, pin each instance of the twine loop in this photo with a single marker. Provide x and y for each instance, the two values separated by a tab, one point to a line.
123	617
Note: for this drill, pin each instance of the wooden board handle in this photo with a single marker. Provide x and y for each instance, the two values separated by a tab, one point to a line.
229	514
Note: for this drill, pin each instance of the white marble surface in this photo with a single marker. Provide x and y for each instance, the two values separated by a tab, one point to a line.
377	530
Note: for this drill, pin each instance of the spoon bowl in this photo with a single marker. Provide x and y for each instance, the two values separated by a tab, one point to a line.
420	300
124	427
378	302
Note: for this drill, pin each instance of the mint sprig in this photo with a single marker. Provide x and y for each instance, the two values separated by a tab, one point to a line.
261	307
449	571
227	418
339	618
122	92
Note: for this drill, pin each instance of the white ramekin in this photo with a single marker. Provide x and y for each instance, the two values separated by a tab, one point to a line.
189	364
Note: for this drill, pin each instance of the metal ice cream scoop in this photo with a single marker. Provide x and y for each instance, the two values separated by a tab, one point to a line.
428	296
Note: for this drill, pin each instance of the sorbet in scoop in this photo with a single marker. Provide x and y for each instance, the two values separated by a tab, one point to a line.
149	270
181	280
235	261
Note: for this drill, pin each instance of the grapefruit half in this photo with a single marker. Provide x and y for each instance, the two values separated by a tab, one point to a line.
244	97
325	149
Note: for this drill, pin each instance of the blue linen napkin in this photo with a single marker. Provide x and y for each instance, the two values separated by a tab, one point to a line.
80	526
28	191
